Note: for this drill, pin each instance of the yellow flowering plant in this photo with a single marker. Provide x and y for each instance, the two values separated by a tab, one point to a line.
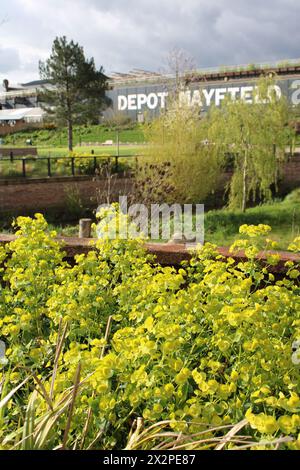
206	345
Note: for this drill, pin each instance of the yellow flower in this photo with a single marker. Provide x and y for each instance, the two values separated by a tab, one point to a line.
103	387
149	323
169	389
157	408
182	376
107	403
289	424
263	423
170	346
254	230
251	345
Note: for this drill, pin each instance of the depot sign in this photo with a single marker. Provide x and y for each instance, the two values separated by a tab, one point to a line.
138	101
204	97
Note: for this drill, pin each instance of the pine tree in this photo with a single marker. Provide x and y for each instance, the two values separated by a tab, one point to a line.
76	94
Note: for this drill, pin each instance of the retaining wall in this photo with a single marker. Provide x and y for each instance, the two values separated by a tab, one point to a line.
24	196
18	152
28	195
167	254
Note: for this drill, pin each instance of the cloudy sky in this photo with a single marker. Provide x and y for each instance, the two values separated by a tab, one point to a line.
122	35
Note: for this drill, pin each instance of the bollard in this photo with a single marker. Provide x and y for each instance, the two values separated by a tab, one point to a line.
85	226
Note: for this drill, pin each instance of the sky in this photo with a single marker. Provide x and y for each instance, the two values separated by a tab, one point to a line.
128	34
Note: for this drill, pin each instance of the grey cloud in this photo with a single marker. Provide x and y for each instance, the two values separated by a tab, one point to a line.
9	60
139	33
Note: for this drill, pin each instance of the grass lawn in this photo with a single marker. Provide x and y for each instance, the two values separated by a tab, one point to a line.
82	134
221	226
102	150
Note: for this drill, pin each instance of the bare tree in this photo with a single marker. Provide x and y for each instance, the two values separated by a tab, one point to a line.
179	63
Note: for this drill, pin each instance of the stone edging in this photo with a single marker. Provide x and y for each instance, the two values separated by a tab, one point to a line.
167	254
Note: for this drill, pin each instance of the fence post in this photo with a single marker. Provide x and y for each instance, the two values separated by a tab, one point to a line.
11	156
73	166
49	166
116	163
95	164
118	142
24	167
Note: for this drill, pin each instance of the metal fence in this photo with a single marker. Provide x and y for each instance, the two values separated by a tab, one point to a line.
34	167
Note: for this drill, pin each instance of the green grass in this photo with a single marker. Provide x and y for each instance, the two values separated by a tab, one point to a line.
132	134
67	230
53	143
104	151
222	226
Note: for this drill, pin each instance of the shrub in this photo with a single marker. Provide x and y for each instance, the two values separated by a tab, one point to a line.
178	139
293	196
117	337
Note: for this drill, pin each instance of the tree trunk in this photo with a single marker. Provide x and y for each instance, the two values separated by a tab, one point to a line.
70	135
244	201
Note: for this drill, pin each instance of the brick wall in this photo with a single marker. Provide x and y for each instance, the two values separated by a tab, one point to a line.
18	127
18	152
25	196
291	176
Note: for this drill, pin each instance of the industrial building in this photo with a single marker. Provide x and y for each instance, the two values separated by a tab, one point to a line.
140	93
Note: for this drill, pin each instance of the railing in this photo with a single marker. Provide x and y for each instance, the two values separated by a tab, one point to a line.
29	167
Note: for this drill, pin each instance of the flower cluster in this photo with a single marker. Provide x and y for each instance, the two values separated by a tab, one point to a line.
207	344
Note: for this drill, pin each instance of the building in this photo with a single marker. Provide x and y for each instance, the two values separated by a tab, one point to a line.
20	104
136	95
141	93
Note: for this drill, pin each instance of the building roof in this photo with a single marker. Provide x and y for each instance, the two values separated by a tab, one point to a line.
35	83
137	77
21	113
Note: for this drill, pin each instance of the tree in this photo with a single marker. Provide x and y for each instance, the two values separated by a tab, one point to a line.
189	168
77	92
179	63
255	136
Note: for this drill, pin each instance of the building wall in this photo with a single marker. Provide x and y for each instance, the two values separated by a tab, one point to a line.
136	99
133	101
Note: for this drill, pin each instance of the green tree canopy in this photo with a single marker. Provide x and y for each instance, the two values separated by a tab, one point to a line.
76	93
255	134
178	138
